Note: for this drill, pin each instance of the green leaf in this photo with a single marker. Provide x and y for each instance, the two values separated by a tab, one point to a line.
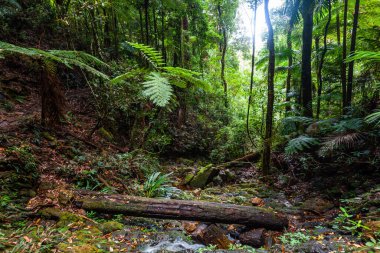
158	89
300	144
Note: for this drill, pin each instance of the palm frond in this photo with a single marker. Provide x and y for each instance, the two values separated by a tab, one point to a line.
364	55
341	141
158	89
373	118
300	143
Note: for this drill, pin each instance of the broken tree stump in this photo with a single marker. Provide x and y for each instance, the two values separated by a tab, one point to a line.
250	216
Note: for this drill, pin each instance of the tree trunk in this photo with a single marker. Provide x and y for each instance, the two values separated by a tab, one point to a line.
307	40
115	35
155	28
146	10
107	35
163	50
252	71
269	114
338	28
344	55
224	50
141	26
352	51
290	51
180	209
320	80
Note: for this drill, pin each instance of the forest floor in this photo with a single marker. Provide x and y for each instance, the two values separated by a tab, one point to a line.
37	164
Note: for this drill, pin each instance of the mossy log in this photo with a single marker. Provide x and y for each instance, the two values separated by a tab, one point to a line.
255	217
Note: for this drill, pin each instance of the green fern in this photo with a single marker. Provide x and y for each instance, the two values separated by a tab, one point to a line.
132	74
373	118
150	54
187	75
158	89
157	185
175	74
341	141
300	143
345	125
364	55
68	58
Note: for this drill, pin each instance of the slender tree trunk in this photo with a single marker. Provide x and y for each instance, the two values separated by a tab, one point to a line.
307	40
115	35
290	51
338	28
185	54
252	71
163	50
155	28
95	42
352	51
141	26
107	35
344	55
269	114
146	10
320	80
224	50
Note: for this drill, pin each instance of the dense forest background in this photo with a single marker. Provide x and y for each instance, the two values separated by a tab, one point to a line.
293	93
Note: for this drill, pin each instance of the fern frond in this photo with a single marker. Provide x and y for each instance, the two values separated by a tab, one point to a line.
373	118
187	75
300	143
68	58
154	57
79	55
364	55
342	141
158	89
348	125
129	75
7	48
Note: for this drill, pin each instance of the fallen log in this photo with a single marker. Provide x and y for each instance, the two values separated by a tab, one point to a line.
255	217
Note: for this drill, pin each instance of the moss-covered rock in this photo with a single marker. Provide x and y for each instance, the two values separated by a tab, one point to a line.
110	226
64	217
87	234
84	248
203	176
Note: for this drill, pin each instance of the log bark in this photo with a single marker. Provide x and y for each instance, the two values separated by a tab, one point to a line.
255	217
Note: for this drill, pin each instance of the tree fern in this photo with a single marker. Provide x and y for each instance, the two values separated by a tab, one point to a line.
158	85
155	58
373	118
300	143
158	89
68	58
